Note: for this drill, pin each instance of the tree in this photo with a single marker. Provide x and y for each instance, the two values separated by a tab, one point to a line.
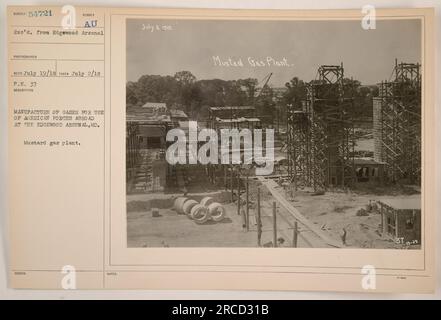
265	105
249	86
184	78
155	88
185	92
131	96
184	85
295	93
234	95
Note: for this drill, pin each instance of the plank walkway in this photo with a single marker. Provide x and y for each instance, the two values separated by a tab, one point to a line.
327	241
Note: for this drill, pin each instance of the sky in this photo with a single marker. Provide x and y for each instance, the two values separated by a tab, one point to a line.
300	47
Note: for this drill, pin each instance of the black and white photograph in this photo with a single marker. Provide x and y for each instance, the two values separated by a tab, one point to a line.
273	133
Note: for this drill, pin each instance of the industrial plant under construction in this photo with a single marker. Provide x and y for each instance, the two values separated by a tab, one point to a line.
290	134
339	180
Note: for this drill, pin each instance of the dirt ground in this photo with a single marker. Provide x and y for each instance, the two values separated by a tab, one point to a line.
178	230
335	211
170	229
331	212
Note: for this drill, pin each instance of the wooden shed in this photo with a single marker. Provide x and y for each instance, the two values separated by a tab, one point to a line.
368	170
401	219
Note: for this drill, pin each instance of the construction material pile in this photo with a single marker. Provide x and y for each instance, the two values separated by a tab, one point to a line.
201	212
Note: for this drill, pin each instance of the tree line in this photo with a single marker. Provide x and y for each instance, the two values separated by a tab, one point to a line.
183	91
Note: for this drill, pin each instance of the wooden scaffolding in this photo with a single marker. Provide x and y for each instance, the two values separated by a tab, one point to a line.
400	123
321	133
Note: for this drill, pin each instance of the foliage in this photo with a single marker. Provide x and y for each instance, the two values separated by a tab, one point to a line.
183	91
362	107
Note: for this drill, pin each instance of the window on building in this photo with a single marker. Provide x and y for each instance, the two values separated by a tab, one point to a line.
391	225
409	223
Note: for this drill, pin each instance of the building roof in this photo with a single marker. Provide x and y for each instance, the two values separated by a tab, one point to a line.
148	119
231	108
408	203
154	105
140	114
176	113
236	120
367	161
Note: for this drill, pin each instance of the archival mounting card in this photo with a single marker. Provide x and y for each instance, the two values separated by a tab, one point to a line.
221	149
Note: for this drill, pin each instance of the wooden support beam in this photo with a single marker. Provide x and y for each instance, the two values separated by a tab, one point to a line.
271	186
231	182
274	224
247	213
238	194
258	222
225	177
295	235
